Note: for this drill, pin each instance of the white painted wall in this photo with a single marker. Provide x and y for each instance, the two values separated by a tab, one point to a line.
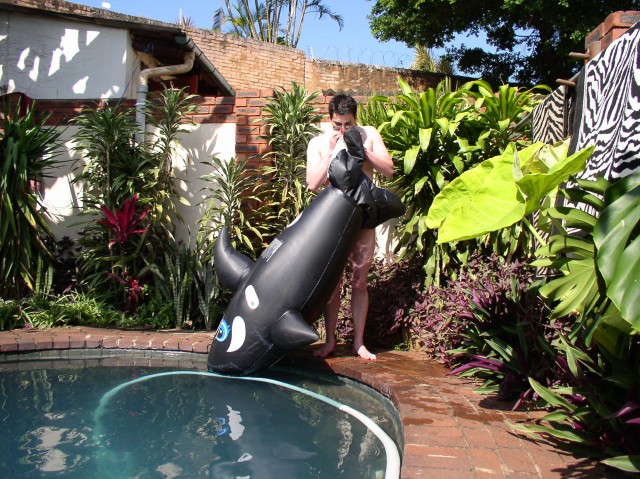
63	199
50	58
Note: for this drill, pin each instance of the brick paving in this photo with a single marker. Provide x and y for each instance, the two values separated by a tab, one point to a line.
449	431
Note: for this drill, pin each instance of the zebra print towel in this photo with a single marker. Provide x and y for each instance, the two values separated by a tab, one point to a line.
550	120
608	109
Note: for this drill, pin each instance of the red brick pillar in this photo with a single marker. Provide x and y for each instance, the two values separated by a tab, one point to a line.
250	125
611	29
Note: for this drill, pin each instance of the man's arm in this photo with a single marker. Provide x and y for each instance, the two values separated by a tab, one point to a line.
316	165
376	152
318	159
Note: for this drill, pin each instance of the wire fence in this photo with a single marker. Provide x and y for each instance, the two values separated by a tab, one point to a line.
385	58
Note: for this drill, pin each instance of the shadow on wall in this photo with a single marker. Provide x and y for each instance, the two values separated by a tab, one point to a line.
57	59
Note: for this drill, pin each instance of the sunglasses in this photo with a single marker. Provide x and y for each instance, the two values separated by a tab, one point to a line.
337	126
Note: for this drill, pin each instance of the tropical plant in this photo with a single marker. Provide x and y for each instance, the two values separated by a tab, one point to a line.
424	59
502	190
504	339
120	173
208	290
10	314
593	390
230	202
122	223
113	168
501	115
291	120
170	112
437	135
595	411
272	21
26	153
179	277
72	309
120	262
616	238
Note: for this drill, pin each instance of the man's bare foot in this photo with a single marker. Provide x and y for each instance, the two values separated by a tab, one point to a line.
365	354
325	350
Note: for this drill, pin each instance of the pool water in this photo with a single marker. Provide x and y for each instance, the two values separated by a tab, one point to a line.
148	422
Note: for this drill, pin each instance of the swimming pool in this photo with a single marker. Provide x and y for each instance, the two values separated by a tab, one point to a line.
86	418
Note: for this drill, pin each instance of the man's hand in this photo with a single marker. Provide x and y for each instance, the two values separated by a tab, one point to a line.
336	136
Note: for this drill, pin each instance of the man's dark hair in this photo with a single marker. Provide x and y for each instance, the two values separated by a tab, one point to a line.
343	104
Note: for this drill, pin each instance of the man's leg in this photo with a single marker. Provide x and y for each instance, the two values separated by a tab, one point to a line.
331	310
360	259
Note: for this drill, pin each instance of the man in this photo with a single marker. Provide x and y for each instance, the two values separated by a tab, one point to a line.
322	149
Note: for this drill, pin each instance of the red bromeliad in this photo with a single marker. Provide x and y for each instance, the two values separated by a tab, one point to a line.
122	223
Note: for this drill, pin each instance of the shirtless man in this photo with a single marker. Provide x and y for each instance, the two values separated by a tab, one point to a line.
322	149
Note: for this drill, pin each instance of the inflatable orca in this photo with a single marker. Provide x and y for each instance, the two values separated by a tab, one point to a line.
277	297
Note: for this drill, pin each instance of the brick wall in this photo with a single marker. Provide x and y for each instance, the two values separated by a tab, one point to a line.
322	75
245	110
249	64
611	29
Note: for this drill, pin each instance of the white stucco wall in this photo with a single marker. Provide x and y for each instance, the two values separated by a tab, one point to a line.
63	199
60	59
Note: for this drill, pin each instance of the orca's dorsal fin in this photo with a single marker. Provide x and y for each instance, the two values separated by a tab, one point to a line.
292	331
230	265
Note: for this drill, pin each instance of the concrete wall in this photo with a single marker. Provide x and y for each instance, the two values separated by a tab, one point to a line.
47	57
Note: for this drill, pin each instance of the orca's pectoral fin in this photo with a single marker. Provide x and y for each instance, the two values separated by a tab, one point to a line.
230	265
292	332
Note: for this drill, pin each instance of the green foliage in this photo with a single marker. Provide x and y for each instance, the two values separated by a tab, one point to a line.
230	202
571	254
208	291
594	411
502	115
291	120
26	154
531	41
72	309
170	113
116	170
502	190
10	314
437	135
425	60
114	167
179	277
616	237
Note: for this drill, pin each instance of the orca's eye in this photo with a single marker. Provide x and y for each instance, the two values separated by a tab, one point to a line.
252	297
223	331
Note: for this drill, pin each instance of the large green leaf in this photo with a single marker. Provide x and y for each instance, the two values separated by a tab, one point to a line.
502	190
537	185
574	290
480	200
618	243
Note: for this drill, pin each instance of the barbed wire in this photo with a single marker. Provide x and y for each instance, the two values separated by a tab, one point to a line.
366	55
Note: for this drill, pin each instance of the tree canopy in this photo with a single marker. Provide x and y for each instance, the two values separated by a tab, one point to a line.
531	39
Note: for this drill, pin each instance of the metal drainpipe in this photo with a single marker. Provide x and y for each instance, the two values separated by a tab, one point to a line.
143	88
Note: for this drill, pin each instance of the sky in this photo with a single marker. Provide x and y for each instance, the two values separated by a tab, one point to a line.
321	38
